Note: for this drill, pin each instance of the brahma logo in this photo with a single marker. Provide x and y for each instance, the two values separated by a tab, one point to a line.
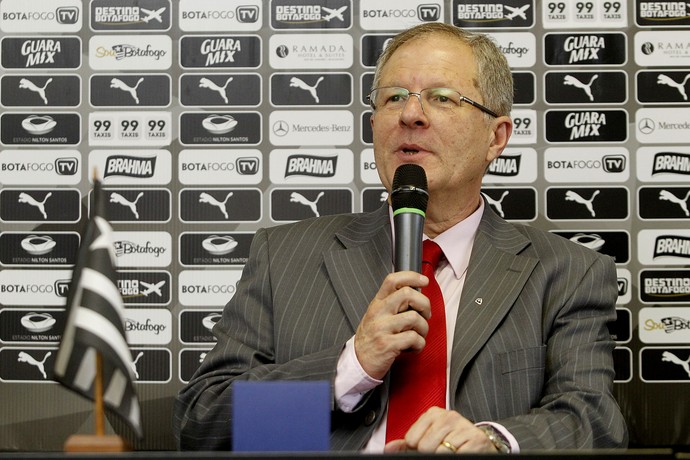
663	246
505	165
515	165
672	163
672	246
130	166
311	165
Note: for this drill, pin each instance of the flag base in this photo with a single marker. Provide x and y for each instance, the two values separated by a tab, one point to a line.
96	443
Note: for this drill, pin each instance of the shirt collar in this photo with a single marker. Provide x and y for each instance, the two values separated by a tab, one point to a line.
457	241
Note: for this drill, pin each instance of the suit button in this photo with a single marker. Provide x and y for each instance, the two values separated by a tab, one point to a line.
370	418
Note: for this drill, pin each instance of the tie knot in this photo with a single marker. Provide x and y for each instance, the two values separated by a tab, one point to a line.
431	253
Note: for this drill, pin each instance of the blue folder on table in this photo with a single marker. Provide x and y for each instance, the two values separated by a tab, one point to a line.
281	416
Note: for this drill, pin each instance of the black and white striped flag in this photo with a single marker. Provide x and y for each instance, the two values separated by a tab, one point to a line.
95	323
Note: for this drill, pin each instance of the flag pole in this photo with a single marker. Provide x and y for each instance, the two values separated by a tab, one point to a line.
99	411
98	442
98	396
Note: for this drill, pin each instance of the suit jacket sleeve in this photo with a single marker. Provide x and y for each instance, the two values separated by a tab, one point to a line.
284	322
246	349
577	408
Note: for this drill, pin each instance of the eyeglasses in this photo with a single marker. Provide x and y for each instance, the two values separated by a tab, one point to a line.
394	99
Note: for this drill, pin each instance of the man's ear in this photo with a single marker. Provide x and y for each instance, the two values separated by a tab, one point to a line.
500	134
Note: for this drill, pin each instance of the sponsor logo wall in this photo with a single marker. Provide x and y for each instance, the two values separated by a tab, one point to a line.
207	119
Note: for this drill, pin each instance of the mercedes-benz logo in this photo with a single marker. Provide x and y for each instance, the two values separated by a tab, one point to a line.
280	128
646	126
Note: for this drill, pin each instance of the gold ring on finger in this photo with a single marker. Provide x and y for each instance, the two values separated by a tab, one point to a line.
449	446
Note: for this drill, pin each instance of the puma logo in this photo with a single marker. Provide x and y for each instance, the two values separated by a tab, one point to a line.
497	204
28	199
586	87
207	83
206	198
24	357
665	195
133	364
301	199
667	356
298	83
573	196
132	205
121	85
25	83
668	81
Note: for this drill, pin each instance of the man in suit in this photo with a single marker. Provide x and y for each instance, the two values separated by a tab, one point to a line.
528	363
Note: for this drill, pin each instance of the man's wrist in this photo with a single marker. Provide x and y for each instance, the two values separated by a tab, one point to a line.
500	443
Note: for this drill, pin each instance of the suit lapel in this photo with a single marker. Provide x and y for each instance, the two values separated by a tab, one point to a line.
358	269
495	276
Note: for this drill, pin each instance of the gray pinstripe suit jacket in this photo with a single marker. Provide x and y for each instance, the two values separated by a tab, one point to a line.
532	350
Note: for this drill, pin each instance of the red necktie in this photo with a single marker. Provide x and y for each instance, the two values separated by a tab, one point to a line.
418	380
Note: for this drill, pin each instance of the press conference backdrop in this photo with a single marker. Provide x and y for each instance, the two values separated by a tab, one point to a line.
207	119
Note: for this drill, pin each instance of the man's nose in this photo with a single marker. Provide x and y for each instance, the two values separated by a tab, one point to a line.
413	113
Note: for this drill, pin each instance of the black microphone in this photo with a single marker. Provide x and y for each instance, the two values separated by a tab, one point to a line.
409	198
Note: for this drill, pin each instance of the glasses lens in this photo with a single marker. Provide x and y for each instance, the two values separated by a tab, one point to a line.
441	98
389	98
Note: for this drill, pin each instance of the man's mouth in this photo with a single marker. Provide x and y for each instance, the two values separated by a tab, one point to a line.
410	151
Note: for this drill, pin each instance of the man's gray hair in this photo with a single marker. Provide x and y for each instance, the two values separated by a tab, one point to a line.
494	81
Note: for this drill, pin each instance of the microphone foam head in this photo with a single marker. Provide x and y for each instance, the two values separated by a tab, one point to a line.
409	188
